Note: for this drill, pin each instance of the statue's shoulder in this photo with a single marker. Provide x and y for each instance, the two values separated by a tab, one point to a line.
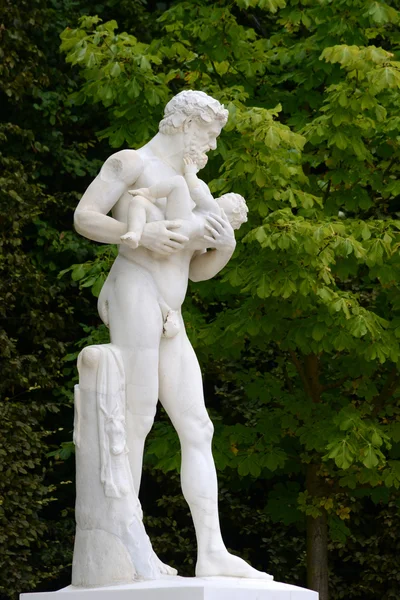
124	165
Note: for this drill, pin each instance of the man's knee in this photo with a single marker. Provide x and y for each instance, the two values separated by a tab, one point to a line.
196	432
140	426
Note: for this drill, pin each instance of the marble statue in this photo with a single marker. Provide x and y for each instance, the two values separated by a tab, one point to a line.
169	229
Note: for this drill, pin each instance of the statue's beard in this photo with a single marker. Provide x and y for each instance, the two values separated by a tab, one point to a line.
199	158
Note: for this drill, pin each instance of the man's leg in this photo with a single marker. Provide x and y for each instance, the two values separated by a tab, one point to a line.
128	305
136	323
181	394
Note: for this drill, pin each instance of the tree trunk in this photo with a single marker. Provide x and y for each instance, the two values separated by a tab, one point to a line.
317	543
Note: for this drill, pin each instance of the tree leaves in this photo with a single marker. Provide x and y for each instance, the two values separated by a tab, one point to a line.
312	292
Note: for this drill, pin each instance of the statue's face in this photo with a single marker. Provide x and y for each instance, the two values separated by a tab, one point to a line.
200	138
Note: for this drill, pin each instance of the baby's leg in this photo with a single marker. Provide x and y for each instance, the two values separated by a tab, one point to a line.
137	218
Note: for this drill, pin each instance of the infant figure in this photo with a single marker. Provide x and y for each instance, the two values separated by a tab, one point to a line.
183	194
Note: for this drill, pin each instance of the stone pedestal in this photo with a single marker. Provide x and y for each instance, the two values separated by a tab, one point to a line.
184	588
111	544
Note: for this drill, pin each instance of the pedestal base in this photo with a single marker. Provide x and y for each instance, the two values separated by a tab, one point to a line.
184	588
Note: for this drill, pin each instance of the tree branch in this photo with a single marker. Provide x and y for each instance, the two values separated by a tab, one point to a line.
328	189
390	165
311	362
287	379
301	372
338	383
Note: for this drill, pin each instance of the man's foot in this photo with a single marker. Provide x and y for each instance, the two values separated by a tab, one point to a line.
223	564
162	567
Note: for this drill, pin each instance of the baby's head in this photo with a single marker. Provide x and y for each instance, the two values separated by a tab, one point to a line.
235	208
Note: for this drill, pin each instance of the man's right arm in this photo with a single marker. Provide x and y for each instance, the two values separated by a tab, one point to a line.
119	172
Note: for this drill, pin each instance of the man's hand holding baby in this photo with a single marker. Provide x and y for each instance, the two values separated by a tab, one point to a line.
221	236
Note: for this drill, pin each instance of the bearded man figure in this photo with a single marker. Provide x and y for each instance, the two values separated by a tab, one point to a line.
169	253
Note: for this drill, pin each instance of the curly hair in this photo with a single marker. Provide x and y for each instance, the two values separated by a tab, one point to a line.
189	105
238	208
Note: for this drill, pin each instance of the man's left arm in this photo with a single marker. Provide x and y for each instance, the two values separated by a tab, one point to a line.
222	240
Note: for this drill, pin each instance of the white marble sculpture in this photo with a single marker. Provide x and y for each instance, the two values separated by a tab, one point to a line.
111	545
169	229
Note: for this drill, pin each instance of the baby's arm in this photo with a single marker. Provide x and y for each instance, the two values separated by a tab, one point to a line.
203	197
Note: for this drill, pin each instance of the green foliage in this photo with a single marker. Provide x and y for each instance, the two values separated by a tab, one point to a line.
299	337
37	324
21	452
312	143
47	148
93	273
371	548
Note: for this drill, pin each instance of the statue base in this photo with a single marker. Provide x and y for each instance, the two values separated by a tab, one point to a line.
184	588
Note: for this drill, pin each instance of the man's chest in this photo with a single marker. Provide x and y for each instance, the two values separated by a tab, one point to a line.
155	171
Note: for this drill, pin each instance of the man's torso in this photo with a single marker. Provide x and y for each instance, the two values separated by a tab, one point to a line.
171	272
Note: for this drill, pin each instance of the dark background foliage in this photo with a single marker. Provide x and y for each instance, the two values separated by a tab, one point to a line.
248	53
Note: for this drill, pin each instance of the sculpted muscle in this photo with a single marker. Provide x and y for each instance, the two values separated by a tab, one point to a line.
120	171
150	357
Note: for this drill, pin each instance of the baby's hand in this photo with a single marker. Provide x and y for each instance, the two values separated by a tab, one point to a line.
144	192
131	239
189	165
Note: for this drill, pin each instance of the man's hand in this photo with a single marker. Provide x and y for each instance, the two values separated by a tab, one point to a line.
221	236
206	265
160	237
